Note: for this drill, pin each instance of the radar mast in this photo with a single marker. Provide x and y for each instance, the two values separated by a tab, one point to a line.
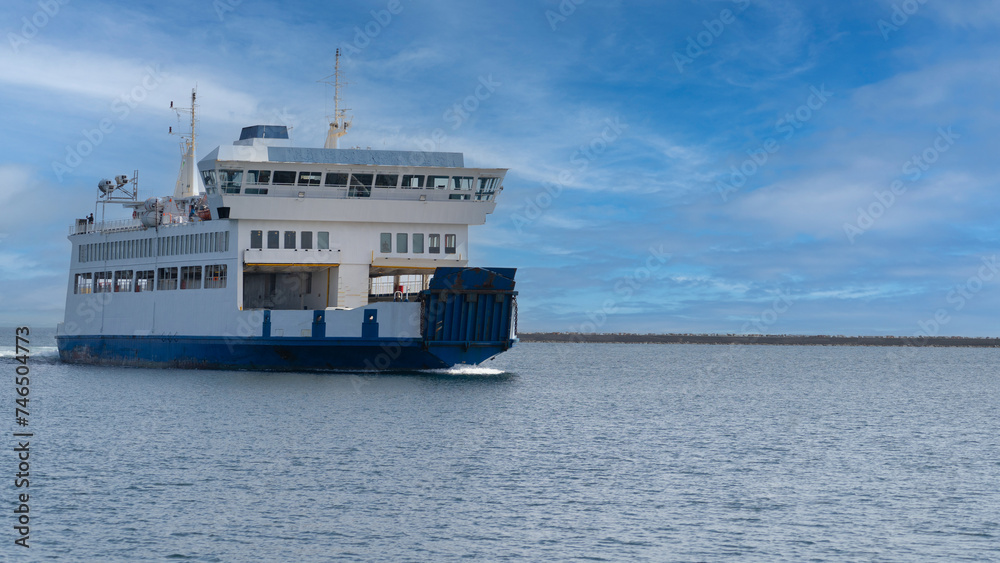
339	123
187	179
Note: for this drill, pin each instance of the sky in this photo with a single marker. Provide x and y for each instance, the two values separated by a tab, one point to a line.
726	166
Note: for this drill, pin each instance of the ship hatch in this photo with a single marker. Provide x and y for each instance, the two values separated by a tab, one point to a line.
280	291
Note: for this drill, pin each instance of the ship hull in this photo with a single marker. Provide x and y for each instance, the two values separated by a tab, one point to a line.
275	354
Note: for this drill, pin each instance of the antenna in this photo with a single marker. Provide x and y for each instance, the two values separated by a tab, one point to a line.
339	123
190	139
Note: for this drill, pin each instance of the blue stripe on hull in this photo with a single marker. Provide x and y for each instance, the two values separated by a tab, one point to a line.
272	353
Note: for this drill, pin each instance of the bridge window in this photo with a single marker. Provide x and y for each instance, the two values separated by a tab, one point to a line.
323	240
289	239
208	177
284	178
401	245
257	178
306	240
361	185
310	178
418	243
434	244
449	244
230	181
336	180
272	239
190	277
386	180
385	244
166	279
123	281
410	181
437	182
462	183
487	188
215	276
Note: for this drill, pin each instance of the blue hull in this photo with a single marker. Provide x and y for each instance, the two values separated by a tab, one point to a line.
279	354
468	315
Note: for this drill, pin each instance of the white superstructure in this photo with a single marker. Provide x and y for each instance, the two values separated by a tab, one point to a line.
282	229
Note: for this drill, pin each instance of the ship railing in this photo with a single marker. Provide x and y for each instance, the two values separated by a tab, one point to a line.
362	193
82	226
122	225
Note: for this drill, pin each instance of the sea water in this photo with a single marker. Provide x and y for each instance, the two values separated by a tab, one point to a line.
552	452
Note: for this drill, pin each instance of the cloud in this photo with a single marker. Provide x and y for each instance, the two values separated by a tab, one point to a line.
978	14
120	85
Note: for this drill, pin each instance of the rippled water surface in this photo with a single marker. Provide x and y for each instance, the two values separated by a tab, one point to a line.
551	452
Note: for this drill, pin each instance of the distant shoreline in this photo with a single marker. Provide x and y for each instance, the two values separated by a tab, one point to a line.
763	340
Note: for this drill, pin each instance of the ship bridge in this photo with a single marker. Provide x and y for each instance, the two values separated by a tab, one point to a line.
261	163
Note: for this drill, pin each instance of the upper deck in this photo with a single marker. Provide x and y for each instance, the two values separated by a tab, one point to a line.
260	177
261	164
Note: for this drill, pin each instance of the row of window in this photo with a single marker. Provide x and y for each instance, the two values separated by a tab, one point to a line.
403	247
358	185
127	281
197	243
304	239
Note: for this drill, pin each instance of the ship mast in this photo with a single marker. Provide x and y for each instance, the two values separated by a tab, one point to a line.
187	179
338	121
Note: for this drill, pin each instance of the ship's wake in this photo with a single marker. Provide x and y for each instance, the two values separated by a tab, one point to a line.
43	354
468	371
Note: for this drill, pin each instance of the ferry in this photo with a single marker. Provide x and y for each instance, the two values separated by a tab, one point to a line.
273	257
